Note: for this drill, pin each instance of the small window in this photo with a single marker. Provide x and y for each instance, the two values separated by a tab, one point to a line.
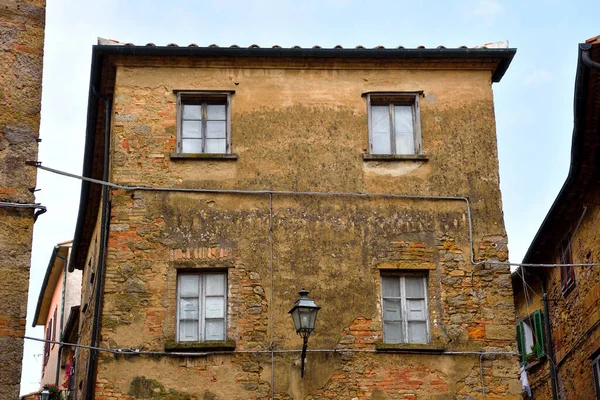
202	305
394	124
596	375
405	315
203	123
47	343
530	337
567	273
54	326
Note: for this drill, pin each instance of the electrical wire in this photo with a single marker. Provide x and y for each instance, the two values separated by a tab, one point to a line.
38	165
37	207
134	351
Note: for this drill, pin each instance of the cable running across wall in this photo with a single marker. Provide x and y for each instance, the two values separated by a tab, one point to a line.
308	193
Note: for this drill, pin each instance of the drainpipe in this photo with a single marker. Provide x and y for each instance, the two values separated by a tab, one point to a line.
96	317
585	56
62	316
553	377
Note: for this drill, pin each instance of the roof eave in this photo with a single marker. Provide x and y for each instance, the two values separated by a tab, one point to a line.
40	301
579	103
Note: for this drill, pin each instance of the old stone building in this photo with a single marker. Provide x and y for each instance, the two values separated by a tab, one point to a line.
241	175
558	308
21	49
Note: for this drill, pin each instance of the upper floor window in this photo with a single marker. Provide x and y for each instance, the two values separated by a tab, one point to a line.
203	123
405	315
394	123
202	305
567	273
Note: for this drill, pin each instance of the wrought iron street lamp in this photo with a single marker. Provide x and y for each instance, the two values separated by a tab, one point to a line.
45	394
304	315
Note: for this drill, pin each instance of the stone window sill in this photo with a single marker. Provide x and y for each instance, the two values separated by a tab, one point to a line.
534	363
203	156
394	157
410	347
223	345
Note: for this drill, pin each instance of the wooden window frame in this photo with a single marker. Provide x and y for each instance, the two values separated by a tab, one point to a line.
392	99
403	298
536	321
203	98
201	303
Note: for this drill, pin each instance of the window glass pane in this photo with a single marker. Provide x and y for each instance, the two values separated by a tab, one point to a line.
380	125
403	124
415	286
416	309
390	286
216	112
215	307
215	284
188	331
192	111
191	129
393	332
191	146
392	310
417	332
216	129
215	330
403	120
188	285
188	308
216	146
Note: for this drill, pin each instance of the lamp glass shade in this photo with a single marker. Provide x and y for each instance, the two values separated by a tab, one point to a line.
45	394
304	314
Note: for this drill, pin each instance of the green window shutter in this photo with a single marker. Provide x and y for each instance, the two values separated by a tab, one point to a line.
521	342
538	327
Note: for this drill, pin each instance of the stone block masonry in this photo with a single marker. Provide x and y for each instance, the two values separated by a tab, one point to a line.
21	47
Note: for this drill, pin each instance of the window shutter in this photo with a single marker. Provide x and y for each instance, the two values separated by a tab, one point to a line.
596	372
538	328
521	342
571	274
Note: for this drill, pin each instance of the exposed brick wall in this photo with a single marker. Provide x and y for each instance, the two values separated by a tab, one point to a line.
21	48
575	317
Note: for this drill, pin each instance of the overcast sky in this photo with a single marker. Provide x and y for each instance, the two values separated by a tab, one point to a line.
534	100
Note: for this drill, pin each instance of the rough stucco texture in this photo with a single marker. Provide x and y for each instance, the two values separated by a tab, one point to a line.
306	129
21	48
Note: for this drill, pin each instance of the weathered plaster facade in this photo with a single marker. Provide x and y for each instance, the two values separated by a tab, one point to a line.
300	124
571	223
21	49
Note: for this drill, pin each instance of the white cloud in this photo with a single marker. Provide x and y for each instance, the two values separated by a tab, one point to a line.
488	8
538	76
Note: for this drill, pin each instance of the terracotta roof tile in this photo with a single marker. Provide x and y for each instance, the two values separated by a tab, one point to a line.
492	45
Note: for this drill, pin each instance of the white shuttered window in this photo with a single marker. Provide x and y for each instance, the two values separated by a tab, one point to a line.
204	123
394	123
202	306
405	315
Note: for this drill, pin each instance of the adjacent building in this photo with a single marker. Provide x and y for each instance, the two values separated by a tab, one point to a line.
558	307
242	175
21	50
58	311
